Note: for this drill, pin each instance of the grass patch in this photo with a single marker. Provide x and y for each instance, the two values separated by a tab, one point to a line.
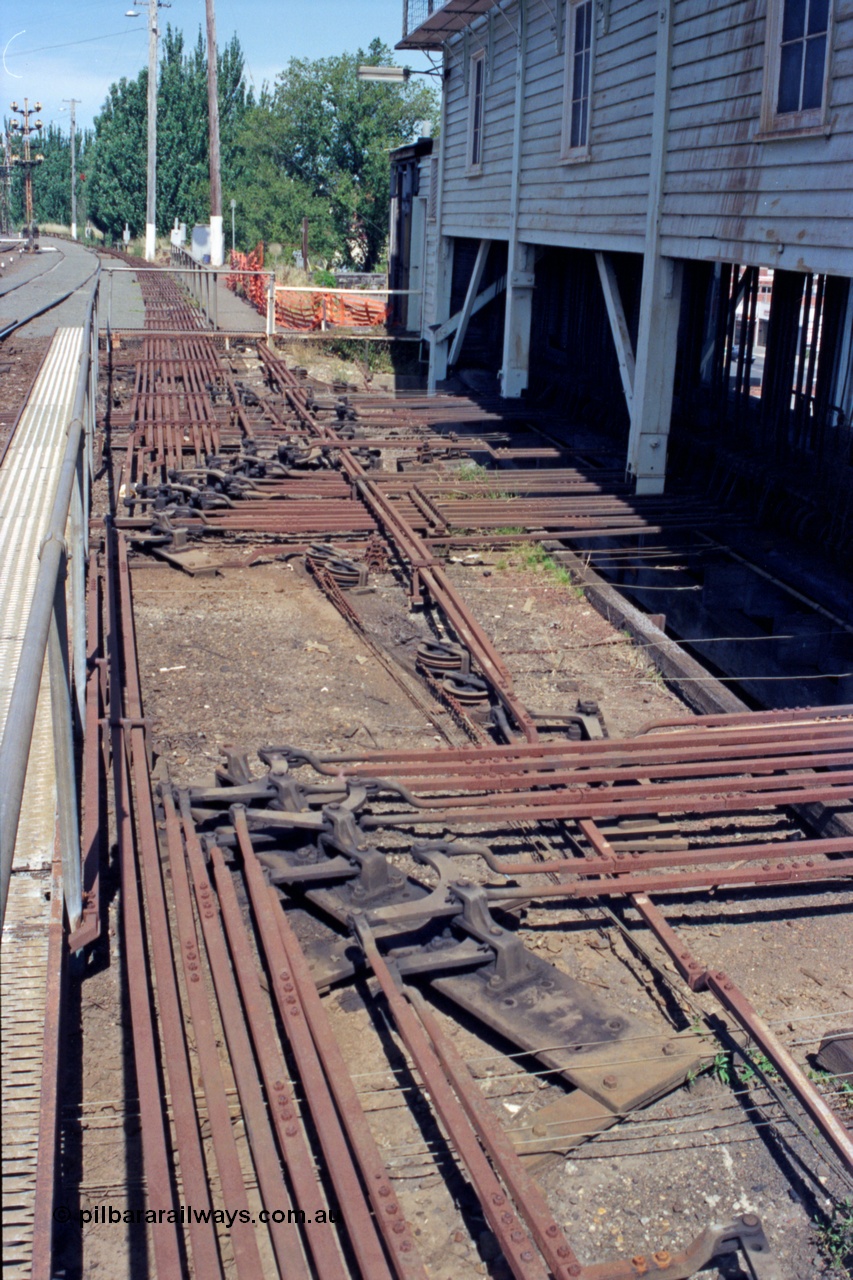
534	558
835	1235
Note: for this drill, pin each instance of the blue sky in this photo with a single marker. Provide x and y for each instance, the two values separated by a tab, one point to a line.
52	50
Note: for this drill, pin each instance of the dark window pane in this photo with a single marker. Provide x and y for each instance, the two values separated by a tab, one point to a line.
818	16
577	76
584	121
813	78
574	141
793	20
790	70
580	26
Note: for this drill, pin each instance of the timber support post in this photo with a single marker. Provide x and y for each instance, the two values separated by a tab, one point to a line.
438	349
651	408
515	369
660	300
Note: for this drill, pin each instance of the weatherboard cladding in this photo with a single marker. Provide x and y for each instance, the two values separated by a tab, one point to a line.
726	196
746	197
479	204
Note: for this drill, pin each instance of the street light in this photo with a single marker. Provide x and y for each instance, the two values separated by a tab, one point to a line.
385	75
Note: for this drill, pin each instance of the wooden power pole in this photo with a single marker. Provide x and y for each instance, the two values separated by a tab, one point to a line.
217	236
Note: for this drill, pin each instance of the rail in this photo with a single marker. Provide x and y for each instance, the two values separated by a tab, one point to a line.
66	543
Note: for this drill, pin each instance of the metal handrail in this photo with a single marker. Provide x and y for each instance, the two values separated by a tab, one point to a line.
201	281
65	542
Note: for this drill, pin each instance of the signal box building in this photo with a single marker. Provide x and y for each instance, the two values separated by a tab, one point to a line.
644	210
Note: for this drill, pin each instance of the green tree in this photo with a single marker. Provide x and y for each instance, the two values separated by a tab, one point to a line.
119	168
331	133
118	175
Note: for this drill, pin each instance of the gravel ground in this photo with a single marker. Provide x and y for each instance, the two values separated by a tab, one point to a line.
258	656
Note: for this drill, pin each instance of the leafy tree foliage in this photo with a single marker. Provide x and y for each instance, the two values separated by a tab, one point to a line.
330	133
315	145
117	182
117	193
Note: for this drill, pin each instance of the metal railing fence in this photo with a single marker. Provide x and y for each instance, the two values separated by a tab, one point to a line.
62	560
201	281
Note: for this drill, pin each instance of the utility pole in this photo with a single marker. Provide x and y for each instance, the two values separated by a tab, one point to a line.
151	197
72	102
151	200
217	236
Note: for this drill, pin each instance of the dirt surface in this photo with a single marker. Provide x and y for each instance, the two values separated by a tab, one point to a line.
259	656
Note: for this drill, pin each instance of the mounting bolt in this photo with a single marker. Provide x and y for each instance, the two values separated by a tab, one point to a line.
574	1268
552	1230
497	1198
610	1082
669	1049
751	1220
540	1130
385	1191
662	1258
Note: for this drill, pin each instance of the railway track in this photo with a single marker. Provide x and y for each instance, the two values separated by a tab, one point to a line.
423	883
408	872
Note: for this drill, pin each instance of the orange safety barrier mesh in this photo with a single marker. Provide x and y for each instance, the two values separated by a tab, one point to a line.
294	310
252	287
297	310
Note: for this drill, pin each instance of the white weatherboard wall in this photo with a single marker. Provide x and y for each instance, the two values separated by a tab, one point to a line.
598	202
785	202
729	194
477	206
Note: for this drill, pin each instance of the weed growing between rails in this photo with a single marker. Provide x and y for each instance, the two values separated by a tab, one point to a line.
536	558
834	1233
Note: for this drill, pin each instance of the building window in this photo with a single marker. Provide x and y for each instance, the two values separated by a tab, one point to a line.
576	109
476	95
796	74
